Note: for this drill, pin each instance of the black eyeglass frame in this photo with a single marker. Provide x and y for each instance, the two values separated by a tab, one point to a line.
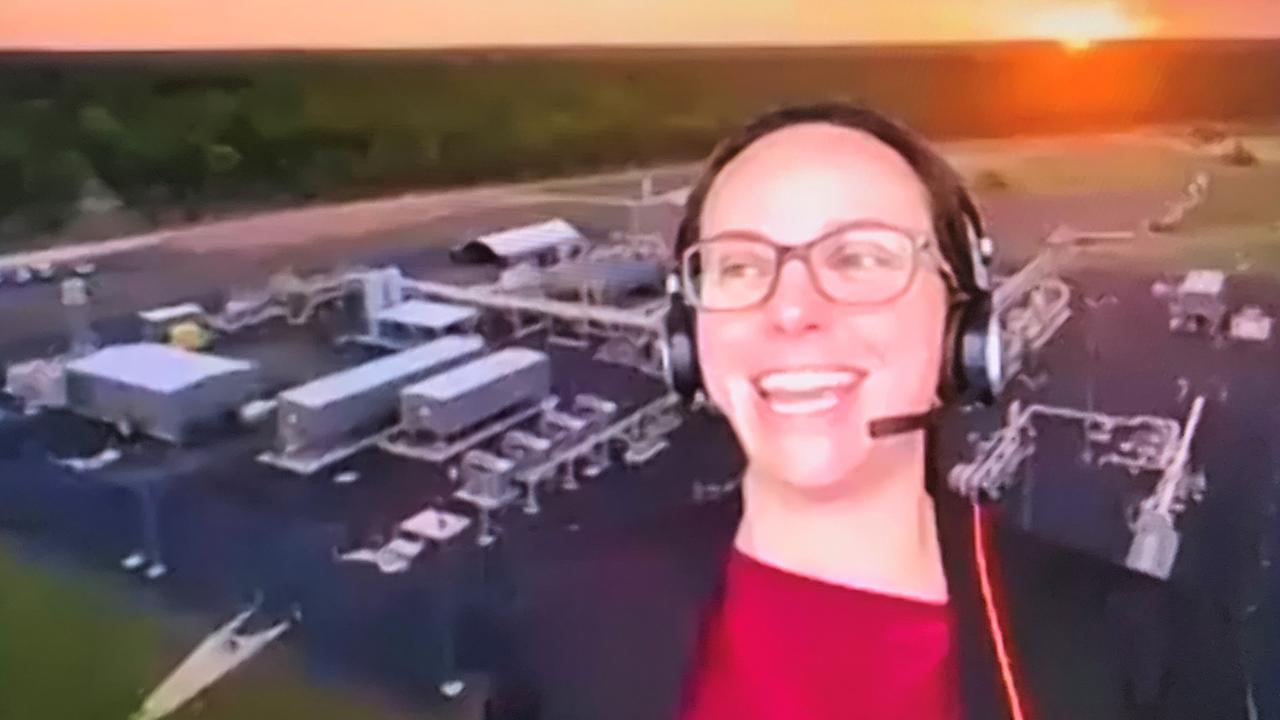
922	244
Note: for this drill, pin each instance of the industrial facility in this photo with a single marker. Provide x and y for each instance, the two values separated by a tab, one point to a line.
505	402
1137	444
462	378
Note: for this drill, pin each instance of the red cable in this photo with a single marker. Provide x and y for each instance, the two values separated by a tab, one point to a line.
993	618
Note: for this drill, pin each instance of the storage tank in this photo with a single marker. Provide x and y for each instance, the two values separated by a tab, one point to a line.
469	394
362	399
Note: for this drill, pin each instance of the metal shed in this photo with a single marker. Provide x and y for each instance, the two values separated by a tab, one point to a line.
160	390
1203	282
470	394
607	280
543	244
424	320
362	399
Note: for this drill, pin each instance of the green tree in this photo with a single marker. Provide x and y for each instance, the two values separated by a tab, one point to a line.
222	159
96	121
12	193
51	185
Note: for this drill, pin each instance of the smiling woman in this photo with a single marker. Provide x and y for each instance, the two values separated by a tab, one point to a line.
844	580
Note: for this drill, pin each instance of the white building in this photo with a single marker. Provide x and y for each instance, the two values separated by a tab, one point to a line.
159	390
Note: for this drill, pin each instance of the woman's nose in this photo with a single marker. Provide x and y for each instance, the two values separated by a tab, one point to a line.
796	306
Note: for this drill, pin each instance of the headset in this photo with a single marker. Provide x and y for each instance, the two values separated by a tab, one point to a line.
972	367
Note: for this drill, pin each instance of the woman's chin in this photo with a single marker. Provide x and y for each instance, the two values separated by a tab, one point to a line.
813	470
805	452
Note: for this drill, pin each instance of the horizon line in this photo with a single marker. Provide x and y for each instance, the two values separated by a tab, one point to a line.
536	46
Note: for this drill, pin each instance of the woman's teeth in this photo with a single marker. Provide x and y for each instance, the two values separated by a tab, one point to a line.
806	380
826	401
805	392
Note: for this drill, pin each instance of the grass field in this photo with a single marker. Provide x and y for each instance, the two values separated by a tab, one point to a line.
69	651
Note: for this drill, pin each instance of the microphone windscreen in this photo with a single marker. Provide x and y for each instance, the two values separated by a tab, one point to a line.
898	424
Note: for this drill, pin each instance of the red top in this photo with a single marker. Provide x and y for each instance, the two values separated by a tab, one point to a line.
783	646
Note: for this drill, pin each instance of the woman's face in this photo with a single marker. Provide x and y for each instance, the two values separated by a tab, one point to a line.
800	376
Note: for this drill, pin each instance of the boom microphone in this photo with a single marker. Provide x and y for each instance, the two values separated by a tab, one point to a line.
898	424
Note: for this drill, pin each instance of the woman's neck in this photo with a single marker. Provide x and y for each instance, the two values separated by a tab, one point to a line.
877	534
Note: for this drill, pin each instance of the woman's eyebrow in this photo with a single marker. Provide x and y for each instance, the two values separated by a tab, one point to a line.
742	232
837	223
824	229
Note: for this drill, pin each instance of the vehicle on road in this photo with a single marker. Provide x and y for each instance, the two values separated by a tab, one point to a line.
45	271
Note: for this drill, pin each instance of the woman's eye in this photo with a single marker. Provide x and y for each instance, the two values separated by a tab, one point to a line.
739	270
861	259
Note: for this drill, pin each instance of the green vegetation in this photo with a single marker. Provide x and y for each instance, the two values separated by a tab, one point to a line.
180	141
180	137
64	657
68	653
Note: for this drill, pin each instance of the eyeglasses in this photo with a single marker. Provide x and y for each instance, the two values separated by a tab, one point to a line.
862	263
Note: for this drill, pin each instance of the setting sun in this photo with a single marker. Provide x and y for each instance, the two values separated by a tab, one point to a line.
1079	26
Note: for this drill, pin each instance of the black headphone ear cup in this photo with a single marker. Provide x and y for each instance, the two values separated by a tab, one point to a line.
971	374
979	352
684	375
950	378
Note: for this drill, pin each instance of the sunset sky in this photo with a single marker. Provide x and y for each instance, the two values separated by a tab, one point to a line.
136	24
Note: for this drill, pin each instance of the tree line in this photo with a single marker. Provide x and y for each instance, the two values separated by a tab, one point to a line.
180	136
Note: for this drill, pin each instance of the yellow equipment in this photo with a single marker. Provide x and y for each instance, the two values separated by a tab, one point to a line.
189	335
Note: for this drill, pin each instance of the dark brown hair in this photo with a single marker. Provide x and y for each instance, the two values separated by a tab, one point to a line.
950	205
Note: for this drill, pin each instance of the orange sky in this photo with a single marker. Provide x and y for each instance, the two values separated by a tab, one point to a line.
132	24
